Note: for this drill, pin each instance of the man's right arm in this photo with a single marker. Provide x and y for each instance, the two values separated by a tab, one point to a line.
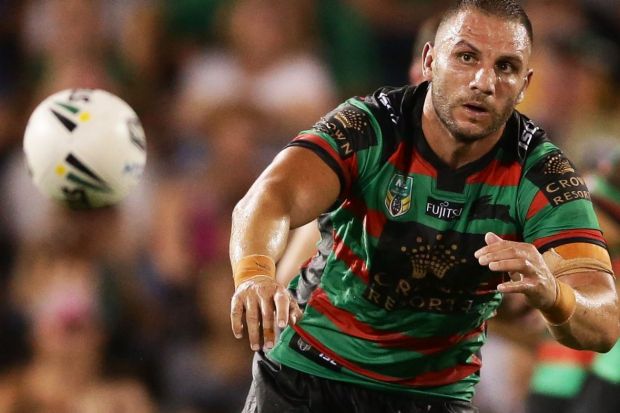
296	188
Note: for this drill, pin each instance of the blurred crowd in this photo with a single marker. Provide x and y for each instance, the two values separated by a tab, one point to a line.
126	309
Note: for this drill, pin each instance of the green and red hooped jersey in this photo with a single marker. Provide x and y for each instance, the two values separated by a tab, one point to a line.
394	298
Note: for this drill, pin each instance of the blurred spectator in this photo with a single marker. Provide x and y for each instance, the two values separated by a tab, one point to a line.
211	374
192	214
572	93
67	41
394	24
188	251
372	47
91	43
604	16
268	61
60	292
191	25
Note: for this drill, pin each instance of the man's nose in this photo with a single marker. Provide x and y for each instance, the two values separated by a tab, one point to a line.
484	80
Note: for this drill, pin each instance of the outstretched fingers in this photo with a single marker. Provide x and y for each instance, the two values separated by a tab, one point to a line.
260	307
252	321
267	312
282	301
510	287
236	316
524	264
295	313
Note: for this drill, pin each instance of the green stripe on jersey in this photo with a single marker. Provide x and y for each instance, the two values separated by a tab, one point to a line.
462	390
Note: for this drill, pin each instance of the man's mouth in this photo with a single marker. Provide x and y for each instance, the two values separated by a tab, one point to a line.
476	107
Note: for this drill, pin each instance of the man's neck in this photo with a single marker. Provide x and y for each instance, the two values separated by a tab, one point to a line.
453	152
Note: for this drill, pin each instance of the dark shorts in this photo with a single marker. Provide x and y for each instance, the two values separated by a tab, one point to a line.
280	389
597	395
543	403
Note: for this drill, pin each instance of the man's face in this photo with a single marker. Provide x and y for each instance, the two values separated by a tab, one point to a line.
479	72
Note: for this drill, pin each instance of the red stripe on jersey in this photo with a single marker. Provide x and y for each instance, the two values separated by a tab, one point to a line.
346	255
421	166
348	166
509	237
497	174
539	202
374	223
417	164
397	158
374	220
593	234
432	378
349	324
490	286
355	206
554	352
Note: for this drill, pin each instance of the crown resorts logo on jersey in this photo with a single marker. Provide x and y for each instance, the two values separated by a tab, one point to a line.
432	258
349	127
429	271
398	197
558	180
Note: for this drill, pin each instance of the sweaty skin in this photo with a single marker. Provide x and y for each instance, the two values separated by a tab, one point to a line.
593	326
478	74
478	71
295	189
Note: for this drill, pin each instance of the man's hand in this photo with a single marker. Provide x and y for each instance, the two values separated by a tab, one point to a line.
526	267
259	298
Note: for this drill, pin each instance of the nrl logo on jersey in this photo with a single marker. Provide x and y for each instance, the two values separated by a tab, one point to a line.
398	197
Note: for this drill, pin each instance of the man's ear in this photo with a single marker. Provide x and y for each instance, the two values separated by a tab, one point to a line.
427	61
526	84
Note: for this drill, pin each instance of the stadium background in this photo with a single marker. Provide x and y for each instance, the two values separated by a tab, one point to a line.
126	309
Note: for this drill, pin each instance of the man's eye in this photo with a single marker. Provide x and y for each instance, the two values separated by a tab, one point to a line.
505	67
466	58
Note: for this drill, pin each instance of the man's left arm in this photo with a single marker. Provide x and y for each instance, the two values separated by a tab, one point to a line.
575	292
594	324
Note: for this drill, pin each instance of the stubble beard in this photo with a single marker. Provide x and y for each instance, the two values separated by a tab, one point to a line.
443	109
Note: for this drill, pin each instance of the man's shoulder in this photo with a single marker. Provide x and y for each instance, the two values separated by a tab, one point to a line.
394	101
528	141
370	120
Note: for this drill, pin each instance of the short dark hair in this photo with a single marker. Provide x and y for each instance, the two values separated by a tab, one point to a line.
507	9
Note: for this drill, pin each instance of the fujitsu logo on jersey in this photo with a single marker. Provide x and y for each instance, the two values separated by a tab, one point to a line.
444	210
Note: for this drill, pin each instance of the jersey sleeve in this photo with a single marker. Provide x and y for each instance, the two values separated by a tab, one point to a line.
348	139
554	202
